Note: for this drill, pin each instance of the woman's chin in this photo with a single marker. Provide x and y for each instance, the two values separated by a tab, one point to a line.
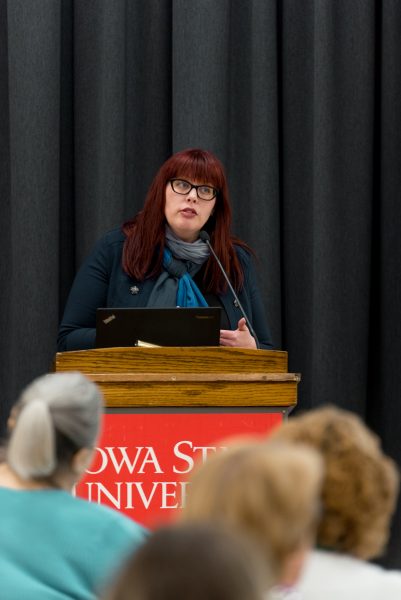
185	234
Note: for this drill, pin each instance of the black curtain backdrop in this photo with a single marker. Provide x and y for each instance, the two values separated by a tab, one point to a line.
301	102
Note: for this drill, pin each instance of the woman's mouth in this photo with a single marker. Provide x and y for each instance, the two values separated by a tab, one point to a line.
188	212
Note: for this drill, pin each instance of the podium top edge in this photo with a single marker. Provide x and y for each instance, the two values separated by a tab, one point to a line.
185	359
171	350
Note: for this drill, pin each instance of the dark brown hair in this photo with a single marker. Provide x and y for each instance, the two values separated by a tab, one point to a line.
193	561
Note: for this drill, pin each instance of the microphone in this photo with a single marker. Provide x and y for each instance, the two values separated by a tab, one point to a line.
205	237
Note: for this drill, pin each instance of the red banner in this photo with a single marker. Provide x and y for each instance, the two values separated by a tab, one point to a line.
143	460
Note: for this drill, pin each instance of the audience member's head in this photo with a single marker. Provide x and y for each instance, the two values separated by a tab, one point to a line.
269	493
192	562
53	428
360	485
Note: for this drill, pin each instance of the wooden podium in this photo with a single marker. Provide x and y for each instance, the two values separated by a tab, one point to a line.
192	376
168	408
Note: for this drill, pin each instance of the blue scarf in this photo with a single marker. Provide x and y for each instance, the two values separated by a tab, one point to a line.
175	286
188	293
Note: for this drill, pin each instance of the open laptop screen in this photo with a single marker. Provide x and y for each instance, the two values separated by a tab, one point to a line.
159	326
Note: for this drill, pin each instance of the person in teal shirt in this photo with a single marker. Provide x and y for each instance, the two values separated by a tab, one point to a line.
52	544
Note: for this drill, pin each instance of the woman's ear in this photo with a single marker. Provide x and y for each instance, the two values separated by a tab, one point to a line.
12	419
82	460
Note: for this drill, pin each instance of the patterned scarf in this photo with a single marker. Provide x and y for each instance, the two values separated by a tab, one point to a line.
181	261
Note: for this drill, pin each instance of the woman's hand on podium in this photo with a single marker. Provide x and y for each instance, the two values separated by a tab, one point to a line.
239	338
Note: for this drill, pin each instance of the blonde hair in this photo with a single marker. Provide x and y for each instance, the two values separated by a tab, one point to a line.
269	492
361	483
55	416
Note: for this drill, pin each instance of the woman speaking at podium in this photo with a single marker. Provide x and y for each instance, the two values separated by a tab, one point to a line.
168	255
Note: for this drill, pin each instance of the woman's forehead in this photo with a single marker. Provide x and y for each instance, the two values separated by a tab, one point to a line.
197	175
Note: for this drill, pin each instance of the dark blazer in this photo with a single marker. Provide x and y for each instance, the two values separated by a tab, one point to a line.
101	282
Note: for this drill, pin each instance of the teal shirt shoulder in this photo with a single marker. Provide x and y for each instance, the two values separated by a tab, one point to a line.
54	546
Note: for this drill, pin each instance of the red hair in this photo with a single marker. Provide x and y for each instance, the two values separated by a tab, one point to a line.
144	244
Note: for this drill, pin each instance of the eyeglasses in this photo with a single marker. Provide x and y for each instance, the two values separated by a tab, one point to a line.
204	192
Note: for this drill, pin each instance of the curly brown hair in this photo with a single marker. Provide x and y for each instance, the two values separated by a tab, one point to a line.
361	483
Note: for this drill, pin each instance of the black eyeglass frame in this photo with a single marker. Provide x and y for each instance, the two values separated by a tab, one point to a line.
216	191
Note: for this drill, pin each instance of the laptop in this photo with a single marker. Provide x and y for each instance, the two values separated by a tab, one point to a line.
157	326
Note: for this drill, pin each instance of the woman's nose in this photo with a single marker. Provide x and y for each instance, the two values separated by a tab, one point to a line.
192	195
